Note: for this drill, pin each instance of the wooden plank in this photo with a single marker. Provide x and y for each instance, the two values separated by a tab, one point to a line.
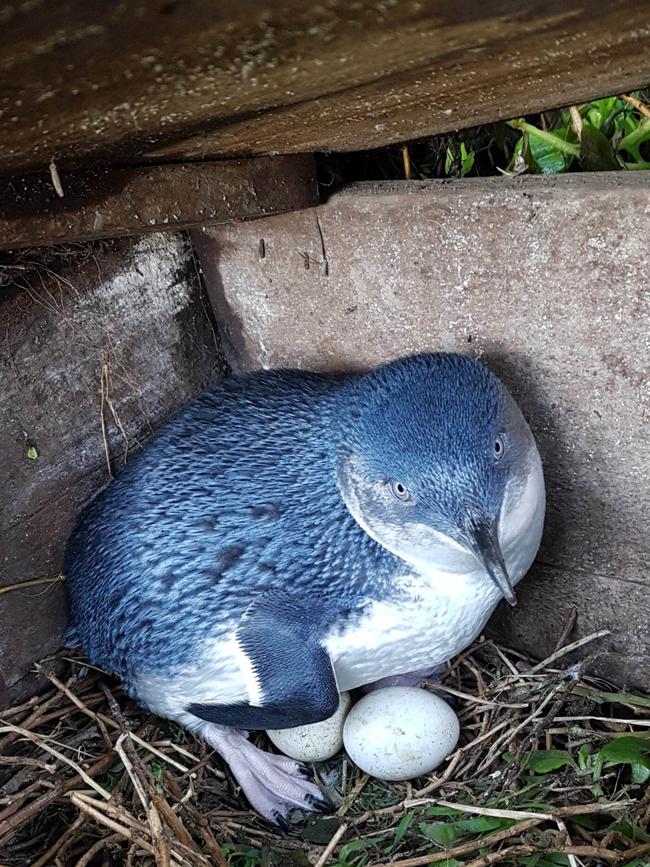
110	203
126	320
543	278
89	81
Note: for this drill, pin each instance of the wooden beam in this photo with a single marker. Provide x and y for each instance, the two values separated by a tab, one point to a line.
85	81
109	203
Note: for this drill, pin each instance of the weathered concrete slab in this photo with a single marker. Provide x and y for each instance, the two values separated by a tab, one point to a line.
544	279
111	203
99	344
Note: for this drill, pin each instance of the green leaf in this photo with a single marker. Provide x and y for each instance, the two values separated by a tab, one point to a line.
585	822
320	830
544	860
548	158
358	846
628	750
402	828
632	831
481	824
640	773
466	160
440	832
596	151
544	761
442	811
32	453
299	857
449	161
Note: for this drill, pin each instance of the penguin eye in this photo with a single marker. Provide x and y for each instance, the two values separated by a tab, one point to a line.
499	447
400	491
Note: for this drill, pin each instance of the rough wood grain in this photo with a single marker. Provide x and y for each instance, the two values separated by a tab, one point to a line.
90	81
110	203
544	279
130	314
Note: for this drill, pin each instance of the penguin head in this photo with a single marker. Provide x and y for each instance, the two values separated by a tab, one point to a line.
438	465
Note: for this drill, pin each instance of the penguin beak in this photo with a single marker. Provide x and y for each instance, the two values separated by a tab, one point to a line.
484	544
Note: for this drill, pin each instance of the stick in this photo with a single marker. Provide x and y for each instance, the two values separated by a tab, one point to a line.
47	857
104	843
103	819
21	585
564	650
562	812
524	850
44	746
573	612
354	794
640	106
466	848
406	159
35	807
331	846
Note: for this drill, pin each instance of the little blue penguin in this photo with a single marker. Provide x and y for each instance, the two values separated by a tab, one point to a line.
291	535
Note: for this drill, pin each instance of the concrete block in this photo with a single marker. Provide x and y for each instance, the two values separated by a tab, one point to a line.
99	345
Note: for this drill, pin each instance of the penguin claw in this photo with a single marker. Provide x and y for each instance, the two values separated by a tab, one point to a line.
275	785
321	805
303	771
281	822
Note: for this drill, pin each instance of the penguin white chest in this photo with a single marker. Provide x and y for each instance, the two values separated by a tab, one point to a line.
421	629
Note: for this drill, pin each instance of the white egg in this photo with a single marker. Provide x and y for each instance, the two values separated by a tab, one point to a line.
400	732
316	742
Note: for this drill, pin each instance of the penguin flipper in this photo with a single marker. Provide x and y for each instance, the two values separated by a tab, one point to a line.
291	677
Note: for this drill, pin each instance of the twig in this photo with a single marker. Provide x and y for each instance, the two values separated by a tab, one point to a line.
466	848
49	856
326	264
104	843
331	846
79	703
523	851
559	812
569	624
113	811
211	843
641	107
104	387
563	828
35	807
26	762
124	831
406	160
136	769
545	663
56	179
576	121
472	699
45	746
354	794
22	585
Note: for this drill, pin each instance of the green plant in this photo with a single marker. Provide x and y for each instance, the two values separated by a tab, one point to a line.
603	135
461	163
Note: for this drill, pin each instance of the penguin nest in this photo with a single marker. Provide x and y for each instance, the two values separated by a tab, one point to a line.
551	769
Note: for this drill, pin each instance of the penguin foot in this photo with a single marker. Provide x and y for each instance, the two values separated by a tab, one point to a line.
274	785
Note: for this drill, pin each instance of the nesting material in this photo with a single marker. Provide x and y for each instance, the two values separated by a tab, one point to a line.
88	779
